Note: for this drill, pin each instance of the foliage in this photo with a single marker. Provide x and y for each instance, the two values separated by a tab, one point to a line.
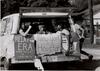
12	6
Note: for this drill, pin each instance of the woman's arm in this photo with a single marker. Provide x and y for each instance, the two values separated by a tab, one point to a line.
82	31
72	24
25	33
71	20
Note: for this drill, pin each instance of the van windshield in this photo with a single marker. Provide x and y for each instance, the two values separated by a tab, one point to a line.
49	24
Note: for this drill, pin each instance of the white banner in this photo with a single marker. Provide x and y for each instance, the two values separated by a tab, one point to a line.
48	43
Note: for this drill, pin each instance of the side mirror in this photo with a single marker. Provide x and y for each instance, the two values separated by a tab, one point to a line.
1	34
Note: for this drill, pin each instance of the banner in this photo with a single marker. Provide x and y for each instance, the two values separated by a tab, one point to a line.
47	44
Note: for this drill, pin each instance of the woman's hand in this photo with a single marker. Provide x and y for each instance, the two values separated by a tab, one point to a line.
70	16
30	27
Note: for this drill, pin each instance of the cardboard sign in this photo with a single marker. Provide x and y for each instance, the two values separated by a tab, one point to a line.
24	48
47	44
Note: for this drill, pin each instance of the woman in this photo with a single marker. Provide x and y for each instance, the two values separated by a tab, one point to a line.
78	35
41	29
24	30
74	36
65	36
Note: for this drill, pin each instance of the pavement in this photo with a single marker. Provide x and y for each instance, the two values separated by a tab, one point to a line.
93	49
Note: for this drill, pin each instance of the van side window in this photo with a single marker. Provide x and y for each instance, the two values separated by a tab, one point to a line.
3	26
7	25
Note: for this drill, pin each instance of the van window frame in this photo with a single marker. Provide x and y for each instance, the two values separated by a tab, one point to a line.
8	23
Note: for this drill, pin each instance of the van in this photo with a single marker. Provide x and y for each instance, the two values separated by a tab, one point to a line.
49	47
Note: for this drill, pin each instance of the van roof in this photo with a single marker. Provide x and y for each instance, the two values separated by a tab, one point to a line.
45	14
39	14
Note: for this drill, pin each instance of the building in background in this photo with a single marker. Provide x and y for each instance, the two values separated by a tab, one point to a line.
97	27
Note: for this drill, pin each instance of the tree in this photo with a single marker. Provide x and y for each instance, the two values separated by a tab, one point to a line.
12	6
82	4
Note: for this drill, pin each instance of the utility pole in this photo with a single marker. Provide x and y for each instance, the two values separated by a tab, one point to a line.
90	6
0	9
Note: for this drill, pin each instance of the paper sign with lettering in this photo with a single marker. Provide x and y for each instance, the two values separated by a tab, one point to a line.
48	44
24	48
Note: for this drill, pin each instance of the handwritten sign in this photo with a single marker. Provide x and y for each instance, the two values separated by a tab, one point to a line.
48	44
24	48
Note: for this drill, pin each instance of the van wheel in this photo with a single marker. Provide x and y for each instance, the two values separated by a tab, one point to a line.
5	64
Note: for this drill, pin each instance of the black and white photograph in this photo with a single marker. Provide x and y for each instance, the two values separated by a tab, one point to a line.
43	35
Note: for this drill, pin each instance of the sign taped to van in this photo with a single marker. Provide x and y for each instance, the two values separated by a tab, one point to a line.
47	44
24	48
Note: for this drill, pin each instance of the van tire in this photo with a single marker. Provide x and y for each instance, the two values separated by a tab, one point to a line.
6	64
